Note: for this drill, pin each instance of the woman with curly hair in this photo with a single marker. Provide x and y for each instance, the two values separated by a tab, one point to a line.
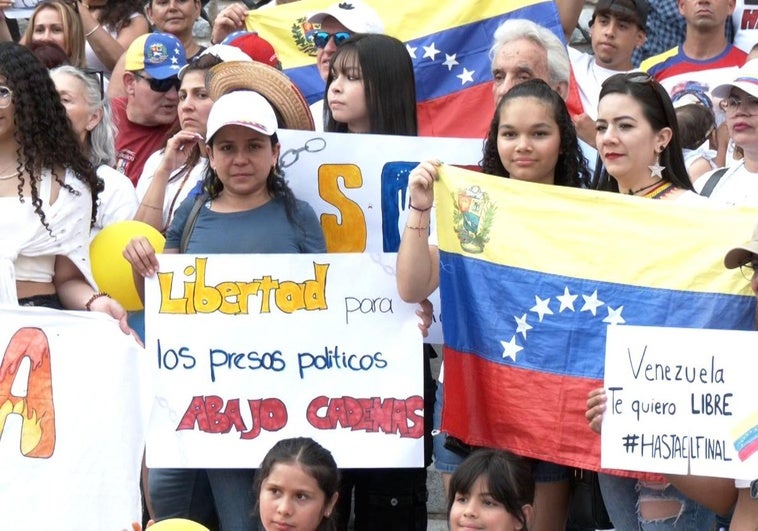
48	192
110	26
531	138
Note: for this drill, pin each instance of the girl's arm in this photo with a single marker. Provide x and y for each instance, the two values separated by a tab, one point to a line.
108	49
418	264
75	293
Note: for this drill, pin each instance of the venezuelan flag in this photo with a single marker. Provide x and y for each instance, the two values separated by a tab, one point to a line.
746	437
449	43
532	275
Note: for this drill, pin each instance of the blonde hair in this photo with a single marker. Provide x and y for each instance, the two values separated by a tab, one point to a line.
73	33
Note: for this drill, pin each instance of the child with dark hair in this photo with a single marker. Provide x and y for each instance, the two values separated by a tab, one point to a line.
297	486
491	489
697	128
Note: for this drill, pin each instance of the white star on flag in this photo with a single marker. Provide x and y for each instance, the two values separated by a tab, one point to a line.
614	316
521	325
591	303
541	307
411	50
450	61
466	76
567	300
430	52
510	348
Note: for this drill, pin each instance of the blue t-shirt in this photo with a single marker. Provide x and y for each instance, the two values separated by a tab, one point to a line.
263	230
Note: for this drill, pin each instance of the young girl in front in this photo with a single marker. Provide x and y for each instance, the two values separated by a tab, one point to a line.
492	490
531	138
297	487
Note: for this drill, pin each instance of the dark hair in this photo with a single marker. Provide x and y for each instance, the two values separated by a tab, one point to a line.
43	132
201	63
696	124
276	185
316	460
509	480
571	166
659	112
117	14
390	88
50	54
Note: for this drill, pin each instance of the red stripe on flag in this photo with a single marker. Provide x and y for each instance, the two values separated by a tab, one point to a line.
442	116
531	413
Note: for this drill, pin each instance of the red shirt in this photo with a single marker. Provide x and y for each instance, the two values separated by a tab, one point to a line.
135	142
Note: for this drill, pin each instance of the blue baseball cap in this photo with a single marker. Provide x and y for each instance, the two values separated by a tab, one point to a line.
160	55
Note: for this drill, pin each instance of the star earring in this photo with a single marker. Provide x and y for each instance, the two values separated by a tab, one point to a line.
656	170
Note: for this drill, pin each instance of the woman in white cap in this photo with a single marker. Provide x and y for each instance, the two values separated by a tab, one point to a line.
247	200
737	184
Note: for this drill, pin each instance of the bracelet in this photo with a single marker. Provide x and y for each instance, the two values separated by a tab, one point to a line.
90	32
88	304
151	206
427	209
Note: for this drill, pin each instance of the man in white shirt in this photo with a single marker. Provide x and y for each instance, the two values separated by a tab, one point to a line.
617	28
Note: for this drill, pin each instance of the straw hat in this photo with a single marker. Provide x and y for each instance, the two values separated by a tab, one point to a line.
276	87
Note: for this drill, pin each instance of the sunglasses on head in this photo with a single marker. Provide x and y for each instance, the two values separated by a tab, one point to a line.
161	85
321	38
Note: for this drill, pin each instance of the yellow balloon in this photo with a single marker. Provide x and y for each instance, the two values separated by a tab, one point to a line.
177	524
111	271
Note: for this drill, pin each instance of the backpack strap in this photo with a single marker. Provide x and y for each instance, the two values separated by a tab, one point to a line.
712	181
189	226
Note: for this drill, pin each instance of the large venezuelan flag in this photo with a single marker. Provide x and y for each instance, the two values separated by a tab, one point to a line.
448	42
532	275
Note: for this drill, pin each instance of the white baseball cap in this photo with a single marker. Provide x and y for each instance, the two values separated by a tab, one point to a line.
353	14
224	52
746	79
243	107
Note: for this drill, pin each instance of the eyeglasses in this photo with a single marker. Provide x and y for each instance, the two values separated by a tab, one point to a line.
161	85
6	96
748	270
730	104
97	74
321	38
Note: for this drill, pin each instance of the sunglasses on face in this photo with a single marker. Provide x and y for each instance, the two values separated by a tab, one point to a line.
161	85
321	38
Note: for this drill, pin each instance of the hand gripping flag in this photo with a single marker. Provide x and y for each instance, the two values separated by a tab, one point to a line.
531	277
448	42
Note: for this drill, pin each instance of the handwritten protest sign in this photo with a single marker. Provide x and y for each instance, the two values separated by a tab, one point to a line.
681	401
357	185
72	421
251	349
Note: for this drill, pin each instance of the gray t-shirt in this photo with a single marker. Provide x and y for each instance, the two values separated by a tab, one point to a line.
263	230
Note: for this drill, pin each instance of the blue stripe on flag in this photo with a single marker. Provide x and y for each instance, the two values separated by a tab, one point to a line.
569	338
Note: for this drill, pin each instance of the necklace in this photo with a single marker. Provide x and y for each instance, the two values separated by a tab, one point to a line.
648	187
9	176
660	190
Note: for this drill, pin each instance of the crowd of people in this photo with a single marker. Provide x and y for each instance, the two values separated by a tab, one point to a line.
111	110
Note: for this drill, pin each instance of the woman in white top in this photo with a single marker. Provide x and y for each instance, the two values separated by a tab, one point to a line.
48	191
110	26
90	114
